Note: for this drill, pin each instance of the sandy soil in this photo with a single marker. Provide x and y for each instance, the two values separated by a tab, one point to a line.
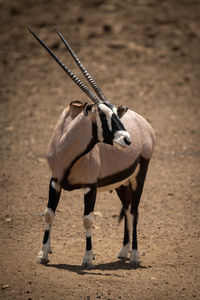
145	54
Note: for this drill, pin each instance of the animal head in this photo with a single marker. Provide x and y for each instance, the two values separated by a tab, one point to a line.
110	129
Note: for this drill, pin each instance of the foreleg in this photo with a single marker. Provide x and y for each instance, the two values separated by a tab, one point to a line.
54	196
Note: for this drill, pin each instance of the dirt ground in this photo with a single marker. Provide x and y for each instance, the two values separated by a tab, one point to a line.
142	53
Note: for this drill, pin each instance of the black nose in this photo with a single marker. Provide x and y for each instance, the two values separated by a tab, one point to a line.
128	142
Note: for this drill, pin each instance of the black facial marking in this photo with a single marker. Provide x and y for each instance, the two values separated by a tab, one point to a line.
46	237
117	124
108	135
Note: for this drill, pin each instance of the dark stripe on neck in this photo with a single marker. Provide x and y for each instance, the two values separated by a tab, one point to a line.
64	182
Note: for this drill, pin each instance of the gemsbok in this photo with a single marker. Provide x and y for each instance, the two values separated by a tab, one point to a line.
96	146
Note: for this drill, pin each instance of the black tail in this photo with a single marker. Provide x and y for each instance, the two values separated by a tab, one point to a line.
122	214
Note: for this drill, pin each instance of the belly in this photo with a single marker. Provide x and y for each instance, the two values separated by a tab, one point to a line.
113	186
121	178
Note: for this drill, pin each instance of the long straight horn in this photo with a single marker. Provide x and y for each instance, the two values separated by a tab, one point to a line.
83	69
83	87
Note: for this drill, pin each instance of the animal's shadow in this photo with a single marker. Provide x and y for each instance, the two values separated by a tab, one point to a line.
112	266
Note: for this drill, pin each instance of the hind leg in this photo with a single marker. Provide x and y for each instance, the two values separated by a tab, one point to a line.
124	195
54	196
135	200
89	202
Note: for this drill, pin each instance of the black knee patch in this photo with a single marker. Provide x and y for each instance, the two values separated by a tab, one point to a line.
88	243
54	196
46	236
89	200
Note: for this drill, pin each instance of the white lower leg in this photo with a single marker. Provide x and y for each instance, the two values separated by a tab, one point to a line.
124	252
135	257
89	256
43	254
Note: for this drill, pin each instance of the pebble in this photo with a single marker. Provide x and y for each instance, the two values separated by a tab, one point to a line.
5	286
153	278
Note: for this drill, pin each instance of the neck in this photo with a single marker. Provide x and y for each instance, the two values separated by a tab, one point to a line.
81	138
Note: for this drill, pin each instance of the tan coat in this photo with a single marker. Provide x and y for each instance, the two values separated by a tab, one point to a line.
73	133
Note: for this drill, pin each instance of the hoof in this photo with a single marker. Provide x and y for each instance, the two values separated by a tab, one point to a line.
135	258
42	261
122	258
135	264
87	265
123	254
87	260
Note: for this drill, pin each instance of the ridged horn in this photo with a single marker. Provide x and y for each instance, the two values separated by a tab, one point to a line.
81	85
83	69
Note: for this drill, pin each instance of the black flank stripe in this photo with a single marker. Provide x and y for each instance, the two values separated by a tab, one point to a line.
117	177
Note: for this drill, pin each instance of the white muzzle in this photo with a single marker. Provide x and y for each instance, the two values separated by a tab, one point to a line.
122	139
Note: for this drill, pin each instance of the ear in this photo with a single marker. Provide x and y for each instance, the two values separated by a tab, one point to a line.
87	109
121	110
76	103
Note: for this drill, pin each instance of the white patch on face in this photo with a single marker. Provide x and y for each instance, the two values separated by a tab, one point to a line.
105	109
115	110
119	137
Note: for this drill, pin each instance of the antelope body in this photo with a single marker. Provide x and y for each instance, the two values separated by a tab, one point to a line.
97	147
